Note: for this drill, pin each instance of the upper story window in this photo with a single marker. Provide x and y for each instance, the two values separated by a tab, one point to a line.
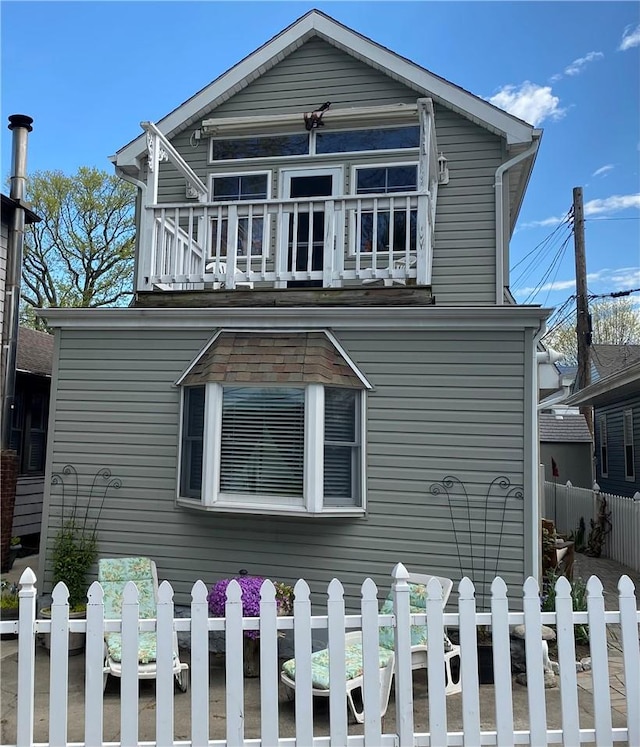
345	141
263	146
250	444
393	225
240	187
244	187
316	142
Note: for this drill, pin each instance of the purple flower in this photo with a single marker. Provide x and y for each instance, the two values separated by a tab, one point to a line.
250	586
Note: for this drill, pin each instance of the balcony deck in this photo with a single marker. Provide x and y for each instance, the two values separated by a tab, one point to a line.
287	297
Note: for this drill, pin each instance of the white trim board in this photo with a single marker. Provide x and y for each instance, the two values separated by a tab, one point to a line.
295	318
318	24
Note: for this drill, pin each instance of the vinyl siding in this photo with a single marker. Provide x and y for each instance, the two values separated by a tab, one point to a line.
615	482
27	514
444	403
464	248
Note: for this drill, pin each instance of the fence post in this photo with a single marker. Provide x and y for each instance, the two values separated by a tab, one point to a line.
26	658
402	633
635	518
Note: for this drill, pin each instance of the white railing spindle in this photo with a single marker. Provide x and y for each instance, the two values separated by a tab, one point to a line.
435	668
268	663
631	655
94	657
302	649
336	642
402	641
234	653
567	661
26	658
59	663
129	681
599	662
469	662
199	666
164	666
371	663
502	663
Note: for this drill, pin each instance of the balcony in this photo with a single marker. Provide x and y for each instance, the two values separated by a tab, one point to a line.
329	243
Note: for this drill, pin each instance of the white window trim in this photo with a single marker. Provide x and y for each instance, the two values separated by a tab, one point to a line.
257	172
628	414
604	440
311	152
354	193
311	503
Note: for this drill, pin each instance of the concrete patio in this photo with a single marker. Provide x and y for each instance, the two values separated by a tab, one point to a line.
607	571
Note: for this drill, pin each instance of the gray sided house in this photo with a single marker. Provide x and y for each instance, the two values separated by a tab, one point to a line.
566	448
29	427
615	396
322	331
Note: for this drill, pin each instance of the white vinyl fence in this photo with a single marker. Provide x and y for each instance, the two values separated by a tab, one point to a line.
199	706
566	505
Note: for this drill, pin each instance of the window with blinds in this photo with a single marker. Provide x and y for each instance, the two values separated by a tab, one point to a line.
629	466
251	447
262	443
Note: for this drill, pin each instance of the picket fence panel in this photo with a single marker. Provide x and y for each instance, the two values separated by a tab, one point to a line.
566	505
376	732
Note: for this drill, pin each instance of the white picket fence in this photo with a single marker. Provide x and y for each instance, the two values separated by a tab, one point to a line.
335	622
566	505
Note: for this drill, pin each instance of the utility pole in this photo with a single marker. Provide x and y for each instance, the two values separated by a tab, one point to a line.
583	326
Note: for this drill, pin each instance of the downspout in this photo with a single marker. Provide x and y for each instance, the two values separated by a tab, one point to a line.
533	557
500	233
142	188
20	125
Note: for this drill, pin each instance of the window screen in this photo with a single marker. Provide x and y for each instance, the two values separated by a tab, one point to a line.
192	440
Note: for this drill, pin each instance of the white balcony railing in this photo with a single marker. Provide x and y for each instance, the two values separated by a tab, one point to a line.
277	242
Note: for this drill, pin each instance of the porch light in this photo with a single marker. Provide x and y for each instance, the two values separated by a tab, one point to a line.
443	170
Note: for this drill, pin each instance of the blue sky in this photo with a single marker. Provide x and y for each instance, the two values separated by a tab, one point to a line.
89	72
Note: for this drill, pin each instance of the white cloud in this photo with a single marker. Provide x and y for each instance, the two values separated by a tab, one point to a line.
542	223
576	67
603	170
630	38
607	279
529	101
597	207
612	204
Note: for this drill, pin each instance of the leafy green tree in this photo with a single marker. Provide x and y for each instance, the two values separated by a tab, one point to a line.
81	252
613	322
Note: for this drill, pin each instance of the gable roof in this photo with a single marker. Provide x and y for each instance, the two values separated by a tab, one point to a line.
316	23
607	359
614	388
568	428
35	352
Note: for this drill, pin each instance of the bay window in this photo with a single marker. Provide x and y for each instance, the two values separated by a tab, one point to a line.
273	449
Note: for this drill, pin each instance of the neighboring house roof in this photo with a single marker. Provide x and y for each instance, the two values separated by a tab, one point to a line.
9	205
563	429
607	359
616	387
517	133
35	352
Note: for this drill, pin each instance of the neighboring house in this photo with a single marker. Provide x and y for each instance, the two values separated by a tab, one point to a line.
29	427
615	396
8	207
566	447
322	330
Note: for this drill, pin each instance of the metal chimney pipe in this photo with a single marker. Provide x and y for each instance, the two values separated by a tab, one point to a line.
20	125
